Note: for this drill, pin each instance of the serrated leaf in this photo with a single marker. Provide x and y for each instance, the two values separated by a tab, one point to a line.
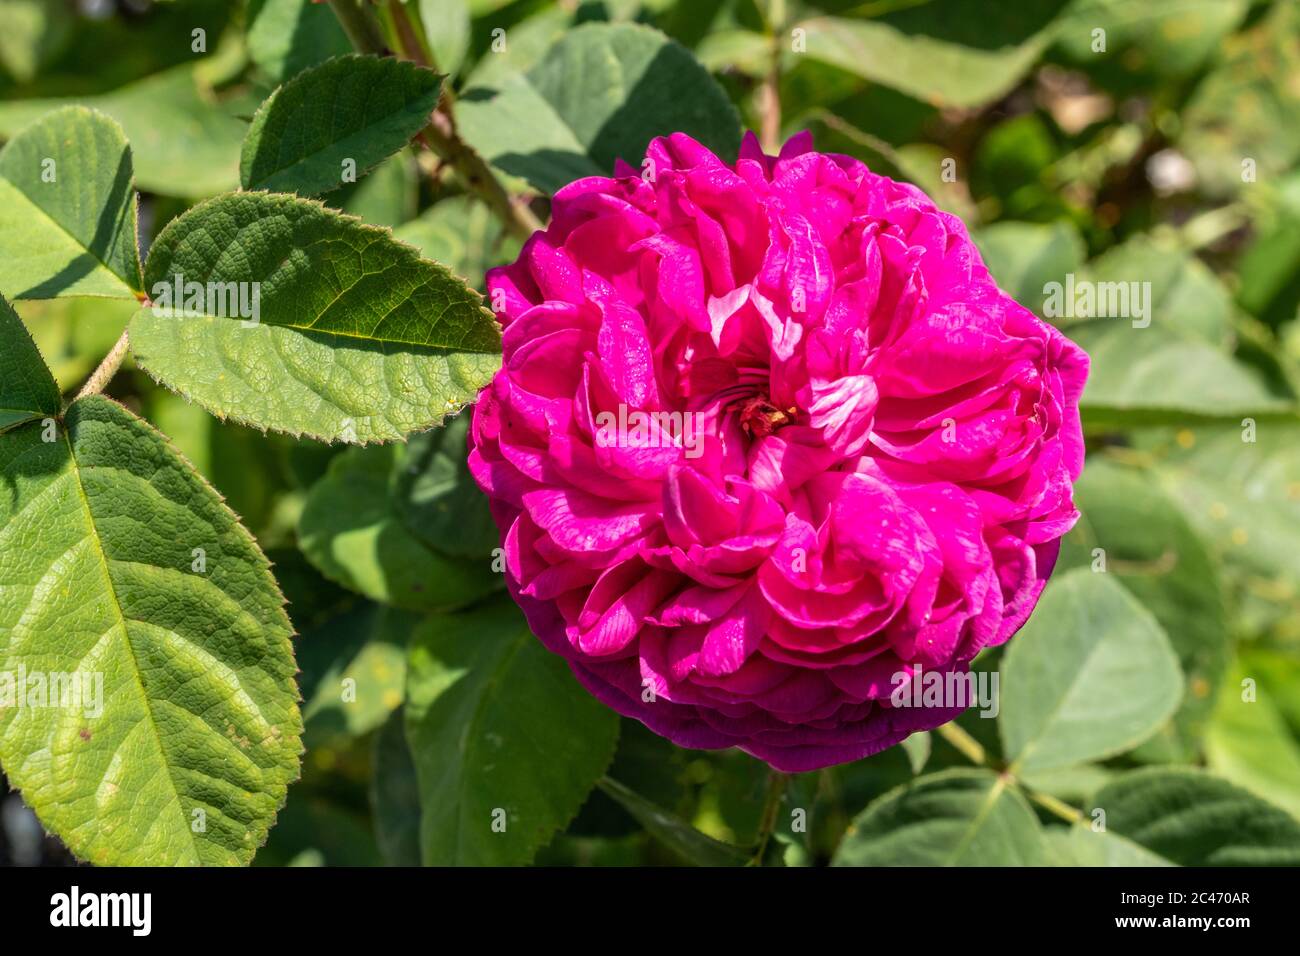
188	755
27	389
971	55
462	233
676	834
359	339
1150	548
954	818
352	531
600	94
352	109
1090	675
1194	819
183	142
67	209
502	734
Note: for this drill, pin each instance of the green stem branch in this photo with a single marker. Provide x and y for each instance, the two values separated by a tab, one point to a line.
100	378
359	22
964	743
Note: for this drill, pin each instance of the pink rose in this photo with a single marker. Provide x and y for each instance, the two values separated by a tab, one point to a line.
767	439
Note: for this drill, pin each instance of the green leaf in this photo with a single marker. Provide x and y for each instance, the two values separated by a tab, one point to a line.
1083	846
1090	675
461	233
674	833
188	753
183	142
970	55
1151	376
436	497
359	339
67	209
352	531
1194	819
287	36
502	735
447	28
395	794
1024	257
27	389
601	94
1249	743
342	117
1150	548
1243	496
1185	297
354	672
961	817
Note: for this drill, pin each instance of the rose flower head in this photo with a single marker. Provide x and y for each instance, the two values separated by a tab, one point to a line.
767	444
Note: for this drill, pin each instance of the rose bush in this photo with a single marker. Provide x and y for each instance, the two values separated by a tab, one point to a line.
855	461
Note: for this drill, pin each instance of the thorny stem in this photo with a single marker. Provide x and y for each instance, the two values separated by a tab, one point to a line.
359	22
776	784
963	742
107	368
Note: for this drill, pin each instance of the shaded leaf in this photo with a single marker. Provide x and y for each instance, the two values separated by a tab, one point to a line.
67	209
27	389
600	94
502	734
673	832
342	117
351	529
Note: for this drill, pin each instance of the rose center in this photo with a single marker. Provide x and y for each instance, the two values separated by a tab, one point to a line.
759	417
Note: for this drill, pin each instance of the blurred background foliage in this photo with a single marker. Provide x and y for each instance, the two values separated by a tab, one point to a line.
1165	152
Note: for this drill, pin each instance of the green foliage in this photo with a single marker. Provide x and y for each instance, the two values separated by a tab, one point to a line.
507	745
1148	713
600	94
123	570
1090	676
359	339
61	237
333	121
